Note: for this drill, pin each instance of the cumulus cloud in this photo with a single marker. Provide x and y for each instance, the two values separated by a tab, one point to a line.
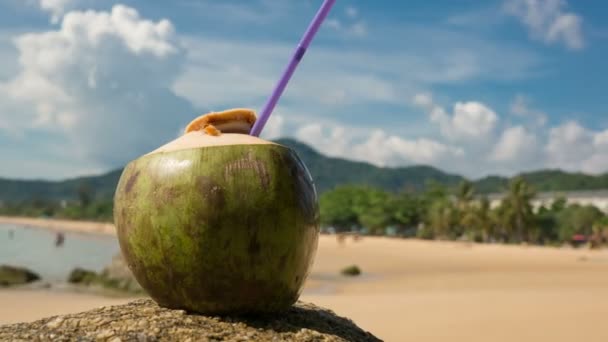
331	140
548	21
375	146
274	127
569	145
516	144
104	85
101	81
470	120
600	140
391	150
56	8
575	148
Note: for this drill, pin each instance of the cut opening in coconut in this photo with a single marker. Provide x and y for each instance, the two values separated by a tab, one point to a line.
238	120
230	127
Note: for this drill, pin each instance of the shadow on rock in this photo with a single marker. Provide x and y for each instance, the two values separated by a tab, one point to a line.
308	318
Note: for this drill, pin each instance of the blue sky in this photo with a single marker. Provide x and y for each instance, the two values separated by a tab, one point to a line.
471	87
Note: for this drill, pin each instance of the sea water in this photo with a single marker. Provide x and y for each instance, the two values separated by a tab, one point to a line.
35	249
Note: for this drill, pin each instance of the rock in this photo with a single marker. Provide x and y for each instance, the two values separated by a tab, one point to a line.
351	271
82	276
118	273
11	275
114	277
118	268
144	320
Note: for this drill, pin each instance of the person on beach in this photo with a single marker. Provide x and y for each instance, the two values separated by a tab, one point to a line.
59	240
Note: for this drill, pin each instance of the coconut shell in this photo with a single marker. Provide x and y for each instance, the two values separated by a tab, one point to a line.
218	224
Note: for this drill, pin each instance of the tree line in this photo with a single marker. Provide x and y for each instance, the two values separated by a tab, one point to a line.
87	206
459	213
438	212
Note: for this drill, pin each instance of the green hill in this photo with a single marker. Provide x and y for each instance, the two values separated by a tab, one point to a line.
328	172
19	190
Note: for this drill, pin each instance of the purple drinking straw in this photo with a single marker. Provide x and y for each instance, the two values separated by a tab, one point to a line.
291	67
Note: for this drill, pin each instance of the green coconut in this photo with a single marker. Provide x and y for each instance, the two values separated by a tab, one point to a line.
218	221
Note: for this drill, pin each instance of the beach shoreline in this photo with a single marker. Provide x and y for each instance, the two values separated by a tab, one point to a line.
108	229
414	289
59	225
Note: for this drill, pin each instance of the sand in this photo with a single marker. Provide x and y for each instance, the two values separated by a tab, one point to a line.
62	225
415	290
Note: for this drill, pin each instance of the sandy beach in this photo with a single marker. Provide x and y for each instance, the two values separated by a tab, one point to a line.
414	290
62	225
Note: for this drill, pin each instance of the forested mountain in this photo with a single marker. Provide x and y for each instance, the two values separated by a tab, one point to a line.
328	172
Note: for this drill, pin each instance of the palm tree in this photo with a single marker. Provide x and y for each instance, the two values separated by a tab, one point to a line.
465	208
442	219
465	194
486	222
478	220
516	214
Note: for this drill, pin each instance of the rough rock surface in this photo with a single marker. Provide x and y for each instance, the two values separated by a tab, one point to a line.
144	320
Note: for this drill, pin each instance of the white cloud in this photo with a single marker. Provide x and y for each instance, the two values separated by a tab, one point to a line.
548	21
329	140
351	26
569	145
375	146
521	107
515	149
101	82
575	148
598	162
390	150
274	127
424	100
356	29
567	27
600	139
56	8
516	145
473	119
470	120
8	56
104	84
